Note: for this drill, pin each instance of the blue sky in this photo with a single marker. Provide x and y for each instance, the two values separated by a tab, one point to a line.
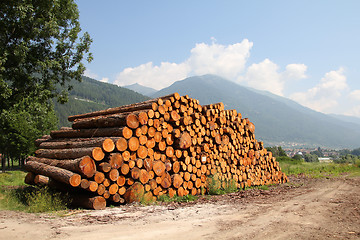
308	51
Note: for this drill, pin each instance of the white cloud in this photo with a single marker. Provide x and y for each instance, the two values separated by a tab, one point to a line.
90	74
104	79
266	76
295	72
226	61
325	95
156	77
355	95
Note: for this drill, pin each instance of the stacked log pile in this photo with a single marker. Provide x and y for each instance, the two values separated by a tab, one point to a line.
168	145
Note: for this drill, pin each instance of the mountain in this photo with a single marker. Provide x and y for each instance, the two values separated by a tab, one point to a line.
92	95
349	119
147	91
278	121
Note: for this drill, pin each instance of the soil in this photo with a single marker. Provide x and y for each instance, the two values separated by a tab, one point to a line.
304	208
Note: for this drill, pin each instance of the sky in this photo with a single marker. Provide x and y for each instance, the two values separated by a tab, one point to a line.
307	51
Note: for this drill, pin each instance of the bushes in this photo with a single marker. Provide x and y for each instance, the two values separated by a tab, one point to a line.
14	195
35	200
217	187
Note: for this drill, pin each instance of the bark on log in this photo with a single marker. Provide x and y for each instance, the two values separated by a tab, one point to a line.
66	143
56	173
91	202
134	193
127	108
84	165
90	133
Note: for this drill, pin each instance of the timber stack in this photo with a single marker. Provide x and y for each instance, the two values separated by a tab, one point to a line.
168	145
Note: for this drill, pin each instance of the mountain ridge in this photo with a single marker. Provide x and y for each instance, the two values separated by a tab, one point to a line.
92	95
136	87
277	120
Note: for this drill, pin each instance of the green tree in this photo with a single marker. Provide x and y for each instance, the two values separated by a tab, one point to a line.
40	48
23	123
277	151
297	157
318	152
311	158
356	152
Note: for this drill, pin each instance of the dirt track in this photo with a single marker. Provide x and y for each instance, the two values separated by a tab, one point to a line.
302	209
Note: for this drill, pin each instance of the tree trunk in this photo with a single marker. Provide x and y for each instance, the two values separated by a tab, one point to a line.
66	143
72	153
90	133
91	202
126	108
84	165
59	174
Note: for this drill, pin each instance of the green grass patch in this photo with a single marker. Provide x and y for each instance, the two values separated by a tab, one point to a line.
32	199
12	178
218	187
319	169
16	195
187	198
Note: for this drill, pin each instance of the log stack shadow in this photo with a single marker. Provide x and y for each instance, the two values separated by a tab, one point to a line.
167	145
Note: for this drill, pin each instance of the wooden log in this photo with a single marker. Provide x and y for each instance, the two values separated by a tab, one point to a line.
84	165
29	178
73	153
108	145
99	177
166	180
113	175
116	160
85	183
127	108
148	164
177	180
62	143
113	189
134	193
41	180
94	132
121	144
158	168
44	138
101	189
91	202
184	141
142	152
144	176
116	198
59	174
133	144
135	173
129	119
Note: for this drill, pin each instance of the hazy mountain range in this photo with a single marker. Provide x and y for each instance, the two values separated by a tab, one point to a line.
278	120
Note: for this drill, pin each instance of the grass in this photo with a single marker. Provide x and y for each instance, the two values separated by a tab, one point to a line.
15	195
218	187
175	198
319	169
12	178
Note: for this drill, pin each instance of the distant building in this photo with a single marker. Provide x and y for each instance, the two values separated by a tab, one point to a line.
325	159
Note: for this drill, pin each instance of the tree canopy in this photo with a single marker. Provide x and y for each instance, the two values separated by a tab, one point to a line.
40	48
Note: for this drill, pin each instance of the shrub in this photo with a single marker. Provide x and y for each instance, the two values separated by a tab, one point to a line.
34	199
217	187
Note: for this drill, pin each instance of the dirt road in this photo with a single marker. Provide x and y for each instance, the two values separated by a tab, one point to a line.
302	209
